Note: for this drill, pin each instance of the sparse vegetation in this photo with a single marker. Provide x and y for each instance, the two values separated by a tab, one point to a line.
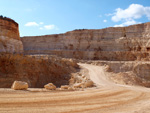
79	29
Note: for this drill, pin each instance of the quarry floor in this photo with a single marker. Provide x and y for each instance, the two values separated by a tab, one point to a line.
107	97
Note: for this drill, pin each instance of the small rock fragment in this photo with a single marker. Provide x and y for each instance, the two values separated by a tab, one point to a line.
88	83
78	85
70	89
50	86
64	87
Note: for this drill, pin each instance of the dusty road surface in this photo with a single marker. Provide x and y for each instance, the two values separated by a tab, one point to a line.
106	98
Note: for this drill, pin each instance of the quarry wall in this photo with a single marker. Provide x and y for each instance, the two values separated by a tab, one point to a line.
114	43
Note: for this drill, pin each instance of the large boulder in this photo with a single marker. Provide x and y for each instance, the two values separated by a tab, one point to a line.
50	86
19	85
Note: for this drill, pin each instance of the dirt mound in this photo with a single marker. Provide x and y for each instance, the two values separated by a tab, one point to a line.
35	71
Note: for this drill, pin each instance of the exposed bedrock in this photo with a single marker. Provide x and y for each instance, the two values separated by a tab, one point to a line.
9	36
35	71
114	43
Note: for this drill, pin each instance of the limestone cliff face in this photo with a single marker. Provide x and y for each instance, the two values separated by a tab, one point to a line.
9	36
121	43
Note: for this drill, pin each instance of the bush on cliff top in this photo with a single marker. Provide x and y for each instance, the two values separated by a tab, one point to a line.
8	19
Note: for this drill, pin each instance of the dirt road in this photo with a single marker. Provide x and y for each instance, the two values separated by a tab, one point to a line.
107	98
97	75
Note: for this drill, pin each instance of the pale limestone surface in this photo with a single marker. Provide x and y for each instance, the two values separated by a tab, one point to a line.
10	45
119	43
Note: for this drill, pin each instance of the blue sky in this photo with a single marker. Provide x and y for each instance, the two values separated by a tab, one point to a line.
42	17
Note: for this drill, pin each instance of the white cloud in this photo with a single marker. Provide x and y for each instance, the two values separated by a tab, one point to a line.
134	11
127	23
105	21
41	26
29	24
50	27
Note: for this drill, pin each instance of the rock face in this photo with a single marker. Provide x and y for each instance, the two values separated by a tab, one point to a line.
9	36
114	43
19	85
35	71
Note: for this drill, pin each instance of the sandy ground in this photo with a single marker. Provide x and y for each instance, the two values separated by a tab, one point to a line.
106	98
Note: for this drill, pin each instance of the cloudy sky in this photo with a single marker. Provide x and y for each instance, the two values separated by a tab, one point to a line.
42	17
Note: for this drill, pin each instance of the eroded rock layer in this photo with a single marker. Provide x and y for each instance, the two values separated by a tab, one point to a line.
9	36
36	71
114	43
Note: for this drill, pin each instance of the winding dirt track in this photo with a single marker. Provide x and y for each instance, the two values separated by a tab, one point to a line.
106	98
